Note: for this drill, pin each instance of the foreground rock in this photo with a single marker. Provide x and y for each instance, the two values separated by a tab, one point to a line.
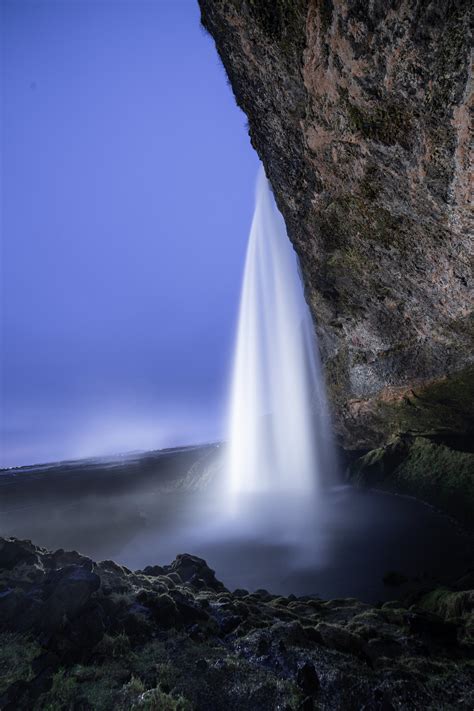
360	114
84	635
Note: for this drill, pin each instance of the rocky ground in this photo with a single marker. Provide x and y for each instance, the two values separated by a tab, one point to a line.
75	634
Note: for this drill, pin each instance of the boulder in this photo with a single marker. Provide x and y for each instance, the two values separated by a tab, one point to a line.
190	568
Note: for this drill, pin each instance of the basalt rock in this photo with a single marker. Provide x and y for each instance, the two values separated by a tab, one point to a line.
360	114
119	639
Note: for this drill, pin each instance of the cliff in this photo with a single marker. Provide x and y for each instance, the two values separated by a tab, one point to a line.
360	114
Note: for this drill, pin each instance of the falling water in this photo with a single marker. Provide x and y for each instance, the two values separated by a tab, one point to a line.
279	435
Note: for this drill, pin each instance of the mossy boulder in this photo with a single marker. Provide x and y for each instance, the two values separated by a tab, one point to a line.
421	467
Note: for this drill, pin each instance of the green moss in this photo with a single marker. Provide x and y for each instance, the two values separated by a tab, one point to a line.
362	223
158	700
448	604
439	407
200	673
129	695
16	654
387	123
349	258
114	647
420	467
63	693
101	686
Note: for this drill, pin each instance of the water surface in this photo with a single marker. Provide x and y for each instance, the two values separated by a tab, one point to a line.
144	509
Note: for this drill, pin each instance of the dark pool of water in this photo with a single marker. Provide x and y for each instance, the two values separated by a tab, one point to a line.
144	509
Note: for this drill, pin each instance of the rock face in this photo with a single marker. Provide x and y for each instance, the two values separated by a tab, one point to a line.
84	635
360	114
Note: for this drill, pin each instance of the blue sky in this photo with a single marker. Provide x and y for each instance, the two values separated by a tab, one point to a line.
127	194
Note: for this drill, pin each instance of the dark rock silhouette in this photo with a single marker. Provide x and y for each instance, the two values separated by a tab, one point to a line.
98	635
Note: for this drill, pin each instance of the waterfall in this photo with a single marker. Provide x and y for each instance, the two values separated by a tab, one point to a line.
278	431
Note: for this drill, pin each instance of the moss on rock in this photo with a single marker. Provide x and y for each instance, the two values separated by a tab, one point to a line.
17	651
418	466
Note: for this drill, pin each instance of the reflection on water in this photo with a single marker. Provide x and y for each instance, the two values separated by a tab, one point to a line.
146	509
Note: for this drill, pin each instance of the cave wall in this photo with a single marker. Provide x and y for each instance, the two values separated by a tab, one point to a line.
360	114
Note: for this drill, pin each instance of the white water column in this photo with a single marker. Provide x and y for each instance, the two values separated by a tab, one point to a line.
278	432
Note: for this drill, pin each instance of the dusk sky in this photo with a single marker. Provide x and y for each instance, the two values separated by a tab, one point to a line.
127	194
